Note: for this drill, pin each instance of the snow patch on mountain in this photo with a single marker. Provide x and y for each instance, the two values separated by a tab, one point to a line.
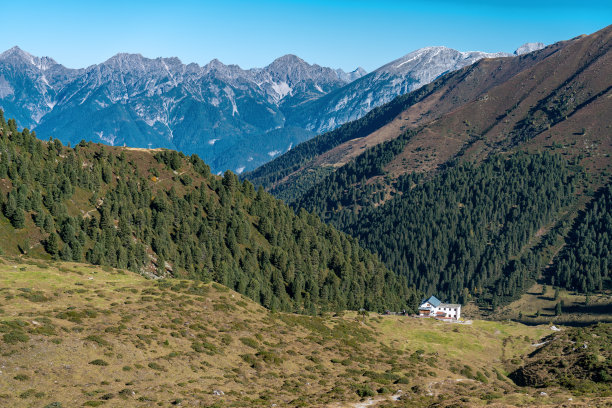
110	139
281	89
398	77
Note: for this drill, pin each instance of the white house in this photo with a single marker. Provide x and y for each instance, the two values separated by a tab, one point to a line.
433	307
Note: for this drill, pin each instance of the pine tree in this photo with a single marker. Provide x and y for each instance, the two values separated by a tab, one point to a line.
52	244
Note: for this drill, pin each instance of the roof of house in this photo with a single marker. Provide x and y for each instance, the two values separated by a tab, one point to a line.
450	305
435	302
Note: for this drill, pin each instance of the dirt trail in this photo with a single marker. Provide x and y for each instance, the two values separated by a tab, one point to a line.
370	402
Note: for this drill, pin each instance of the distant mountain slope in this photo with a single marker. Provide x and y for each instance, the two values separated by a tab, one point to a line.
233	118
161	213
396	181
398	77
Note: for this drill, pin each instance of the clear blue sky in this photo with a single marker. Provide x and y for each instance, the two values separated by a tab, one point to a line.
339	34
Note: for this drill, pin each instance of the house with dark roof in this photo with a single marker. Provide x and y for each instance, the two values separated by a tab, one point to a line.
433	307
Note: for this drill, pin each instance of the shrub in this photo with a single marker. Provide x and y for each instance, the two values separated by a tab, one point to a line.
251	360
269	357
126	392
98	362
480	377
15	336
93	403
247	341
364	391
403	380
97	339
204	347
156	366
31	393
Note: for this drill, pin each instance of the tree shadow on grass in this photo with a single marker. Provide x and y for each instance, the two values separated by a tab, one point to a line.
598	309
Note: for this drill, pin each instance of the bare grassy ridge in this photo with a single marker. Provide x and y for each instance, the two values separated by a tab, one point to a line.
76	335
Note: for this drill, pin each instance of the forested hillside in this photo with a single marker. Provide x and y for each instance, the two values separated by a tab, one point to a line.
459	233
165	213
586	261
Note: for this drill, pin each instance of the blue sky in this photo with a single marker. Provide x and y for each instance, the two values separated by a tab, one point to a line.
339	34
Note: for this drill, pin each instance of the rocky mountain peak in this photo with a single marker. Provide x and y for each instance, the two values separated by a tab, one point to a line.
126	61
215	64
16	55
529	47
287	64
289	59
434	61
351	76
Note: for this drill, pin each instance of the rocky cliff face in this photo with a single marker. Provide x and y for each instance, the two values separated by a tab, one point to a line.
231	117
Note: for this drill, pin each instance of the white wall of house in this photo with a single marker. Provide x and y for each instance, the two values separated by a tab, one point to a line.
452	311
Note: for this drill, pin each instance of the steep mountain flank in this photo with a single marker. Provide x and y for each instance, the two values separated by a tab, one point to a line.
452	154
411	111
398	77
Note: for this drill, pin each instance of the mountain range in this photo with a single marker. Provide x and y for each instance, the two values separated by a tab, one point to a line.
233	118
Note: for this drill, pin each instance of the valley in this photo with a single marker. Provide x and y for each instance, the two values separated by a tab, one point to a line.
435	233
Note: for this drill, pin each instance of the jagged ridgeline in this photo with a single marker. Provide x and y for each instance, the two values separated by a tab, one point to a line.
468	230
165	212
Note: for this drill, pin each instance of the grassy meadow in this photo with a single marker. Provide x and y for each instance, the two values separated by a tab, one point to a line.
76	335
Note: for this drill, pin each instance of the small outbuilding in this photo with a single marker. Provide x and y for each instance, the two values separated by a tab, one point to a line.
433	307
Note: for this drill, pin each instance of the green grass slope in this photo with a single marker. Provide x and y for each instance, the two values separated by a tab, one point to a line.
76	335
